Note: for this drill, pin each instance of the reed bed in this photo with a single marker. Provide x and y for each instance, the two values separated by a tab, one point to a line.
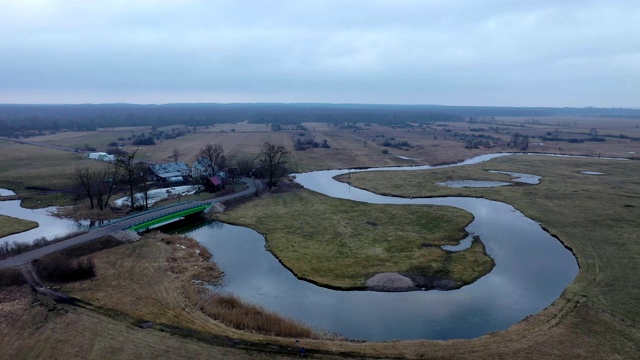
231	311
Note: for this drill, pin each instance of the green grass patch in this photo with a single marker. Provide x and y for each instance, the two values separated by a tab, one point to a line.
342	243
10	225
597	216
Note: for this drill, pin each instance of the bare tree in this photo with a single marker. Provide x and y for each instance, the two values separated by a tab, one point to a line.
106	184
176	155
143	171
273	158
212	157
87	179
130	174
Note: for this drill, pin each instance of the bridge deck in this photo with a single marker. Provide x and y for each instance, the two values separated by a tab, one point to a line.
169	217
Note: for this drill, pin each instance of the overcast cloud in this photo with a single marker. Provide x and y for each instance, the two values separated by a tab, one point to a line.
514	53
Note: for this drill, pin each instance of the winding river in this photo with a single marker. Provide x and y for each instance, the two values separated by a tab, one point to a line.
532	269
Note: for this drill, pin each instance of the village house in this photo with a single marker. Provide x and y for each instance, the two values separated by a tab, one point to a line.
170	172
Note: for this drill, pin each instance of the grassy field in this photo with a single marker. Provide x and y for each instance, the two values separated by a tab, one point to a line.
28	169
236	145
10	225
361	146
161	273
595	318
342	243
594	215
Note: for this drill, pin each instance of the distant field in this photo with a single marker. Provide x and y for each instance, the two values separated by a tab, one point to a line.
597	316
235	145
356	145
23	166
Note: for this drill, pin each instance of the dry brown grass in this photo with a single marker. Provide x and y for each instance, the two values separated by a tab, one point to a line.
33	327
232	311
164	274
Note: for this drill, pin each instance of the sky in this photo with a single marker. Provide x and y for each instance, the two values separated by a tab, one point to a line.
449	52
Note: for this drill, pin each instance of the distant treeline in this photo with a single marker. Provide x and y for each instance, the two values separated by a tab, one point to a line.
25	120
22	119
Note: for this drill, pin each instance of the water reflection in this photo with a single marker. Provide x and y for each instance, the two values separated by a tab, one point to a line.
49	226
532	269
521	284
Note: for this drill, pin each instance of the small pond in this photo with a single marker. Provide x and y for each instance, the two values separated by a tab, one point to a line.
6	192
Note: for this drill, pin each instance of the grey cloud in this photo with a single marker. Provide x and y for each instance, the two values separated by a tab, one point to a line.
455	52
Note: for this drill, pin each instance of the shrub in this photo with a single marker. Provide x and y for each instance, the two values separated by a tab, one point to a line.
11	277
60	268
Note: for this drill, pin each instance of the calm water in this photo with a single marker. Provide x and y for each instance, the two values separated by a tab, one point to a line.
532	269
49	226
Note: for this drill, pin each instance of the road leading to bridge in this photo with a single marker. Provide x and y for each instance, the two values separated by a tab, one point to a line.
121	224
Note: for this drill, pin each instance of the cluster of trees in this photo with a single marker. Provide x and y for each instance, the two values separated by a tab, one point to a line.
100	184
30	120
309	143
143	140
519	141
127	174
390	142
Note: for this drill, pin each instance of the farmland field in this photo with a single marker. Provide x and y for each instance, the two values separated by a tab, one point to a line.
596	216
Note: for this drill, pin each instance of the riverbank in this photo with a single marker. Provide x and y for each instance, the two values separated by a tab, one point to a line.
573	327
10	225
361	240
596	216
163	270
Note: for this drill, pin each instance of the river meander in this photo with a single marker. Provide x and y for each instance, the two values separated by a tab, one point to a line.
532	269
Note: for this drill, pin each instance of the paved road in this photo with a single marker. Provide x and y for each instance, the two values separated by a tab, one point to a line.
120	224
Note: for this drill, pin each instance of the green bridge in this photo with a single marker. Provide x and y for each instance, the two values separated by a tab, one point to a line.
169	217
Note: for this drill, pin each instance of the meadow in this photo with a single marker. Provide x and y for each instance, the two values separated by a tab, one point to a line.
340	243
596	216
